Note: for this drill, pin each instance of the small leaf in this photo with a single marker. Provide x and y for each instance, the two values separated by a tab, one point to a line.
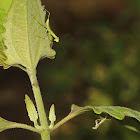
32	113
52	116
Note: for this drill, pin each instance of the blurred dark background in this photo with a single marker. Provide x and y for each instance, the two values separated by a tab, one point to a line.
99	66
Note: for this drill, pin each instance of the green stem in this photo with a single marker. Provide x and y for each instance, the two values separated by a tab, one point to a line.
67	118
45	134
23	126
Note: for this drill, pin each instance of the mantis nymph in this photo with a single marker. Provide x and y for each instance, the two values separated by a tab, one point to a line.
98	122
50	32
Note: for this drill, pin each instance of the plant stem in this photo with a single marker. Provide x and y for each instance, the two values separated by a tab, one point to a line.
45	134
67	118
23	126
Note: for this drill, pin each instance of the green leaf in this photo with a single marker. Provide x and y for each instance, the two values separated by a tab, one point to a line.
5	4
25	38
32	113
4	7
2	29
52	116
2	20
116	112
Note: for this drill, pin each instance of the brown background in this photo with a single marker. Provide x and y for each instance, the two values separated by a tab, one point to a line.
100	67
